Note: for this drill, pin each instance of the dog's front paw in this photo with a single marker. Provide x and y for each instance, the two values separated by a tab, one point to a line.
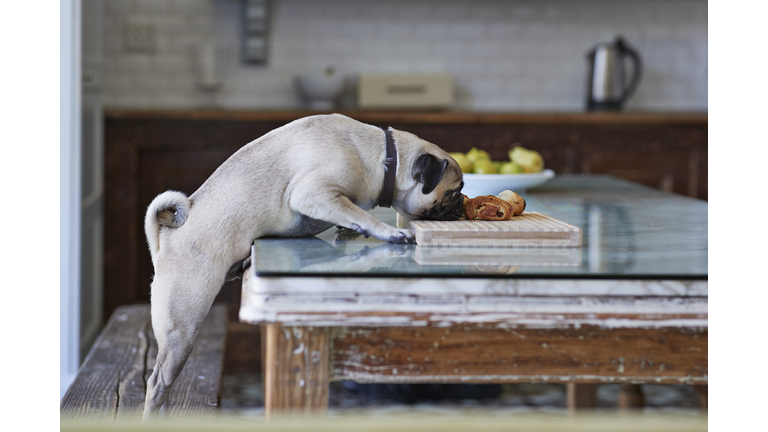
400	236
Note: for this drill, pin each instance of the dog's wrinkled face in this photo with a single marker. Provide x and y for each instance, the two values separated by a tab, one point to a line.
438	192
450	208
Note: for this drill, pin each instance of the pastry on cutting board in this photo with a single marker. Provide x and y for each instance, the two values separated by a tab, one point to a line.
492	208
488	207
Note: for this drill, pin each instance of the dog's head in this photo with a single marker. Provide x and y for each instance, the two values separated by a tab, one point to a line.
432	188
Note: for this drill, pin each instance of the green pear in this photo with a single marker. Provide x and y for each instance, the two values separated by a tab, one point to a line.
530	160
476	154
484	166
467	167
511	168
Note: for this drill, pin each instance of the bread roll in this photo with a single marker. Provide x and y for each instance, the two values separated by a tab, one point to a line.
517	202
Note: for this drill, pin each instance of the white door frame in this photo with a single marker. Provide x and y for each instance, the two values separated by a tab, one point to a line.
70	207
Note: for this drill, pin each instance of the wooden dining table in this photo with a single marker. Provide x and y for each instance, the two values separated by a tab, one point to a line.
628	306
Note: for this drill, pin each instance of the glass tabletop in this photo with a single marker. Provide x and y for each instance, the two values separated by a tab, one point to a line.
629	231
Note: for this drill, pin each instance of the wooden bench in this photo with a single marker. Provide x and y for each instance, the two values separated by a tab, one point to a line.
111	381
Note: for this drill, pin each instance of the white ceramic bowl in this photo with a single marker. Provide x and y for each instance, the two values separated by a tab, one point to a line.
320	90
493	184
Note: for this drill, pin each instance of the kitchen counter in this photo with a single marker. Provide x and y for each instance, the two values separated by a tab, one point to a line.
445	117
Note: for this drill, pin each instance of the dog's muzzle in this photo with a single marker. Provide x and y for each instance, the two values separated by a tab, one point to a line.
451	212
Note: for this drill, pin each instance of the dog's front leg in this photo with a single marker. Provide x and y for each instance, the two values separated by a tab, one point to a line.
339	210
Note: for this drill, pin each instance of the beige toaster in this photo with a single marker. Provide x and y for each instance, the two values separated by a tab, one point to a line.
405	91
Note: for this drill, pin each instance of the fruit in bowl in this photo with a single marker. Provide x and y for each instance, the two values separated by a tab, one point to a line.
530	160
466	165
484	176
511	168
475	155
521	160
484	166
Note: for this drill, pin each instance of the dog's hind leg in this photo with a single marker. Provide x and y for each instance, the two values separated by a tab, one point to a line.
181	301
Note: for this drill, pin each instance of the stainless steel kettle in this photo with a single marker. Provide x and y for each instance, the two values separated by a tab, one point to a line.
607	87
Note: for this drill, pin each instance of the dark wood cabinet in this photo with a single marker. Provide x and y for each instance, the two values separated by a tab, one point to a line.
150	152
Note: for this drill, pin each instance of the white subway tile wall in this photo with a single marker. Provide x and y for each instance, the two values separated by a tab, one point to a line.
504	55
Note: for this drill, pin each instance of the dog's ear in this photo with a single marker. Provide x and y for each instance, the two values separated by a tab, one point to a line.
429	171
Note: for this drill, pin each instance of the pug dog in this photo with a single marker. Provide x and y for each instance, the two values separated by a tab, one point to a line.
297	180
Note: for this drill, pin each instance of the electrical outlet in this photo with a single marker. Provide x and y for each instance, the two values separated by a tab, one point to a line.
139	37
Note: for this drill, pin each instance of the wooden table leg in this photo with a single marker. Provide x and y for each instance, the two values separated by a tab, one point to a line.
581	396
296	370
631	397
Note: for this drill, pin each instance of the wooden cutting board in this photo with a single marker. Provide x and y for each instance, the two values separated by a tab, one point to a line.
530	229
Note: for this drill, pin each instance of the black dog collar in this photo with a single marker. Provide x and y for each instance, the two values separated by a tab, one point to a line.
390	163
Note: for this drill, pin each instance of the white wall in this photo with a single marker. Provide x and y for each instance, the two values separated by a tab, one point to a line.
524	55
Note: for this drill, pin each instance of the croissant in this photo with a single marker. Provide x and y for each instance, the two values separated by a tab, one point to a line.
487	207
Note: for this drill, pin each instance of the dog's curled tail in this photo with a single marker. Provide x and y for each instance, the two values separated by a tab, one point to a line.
169	209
